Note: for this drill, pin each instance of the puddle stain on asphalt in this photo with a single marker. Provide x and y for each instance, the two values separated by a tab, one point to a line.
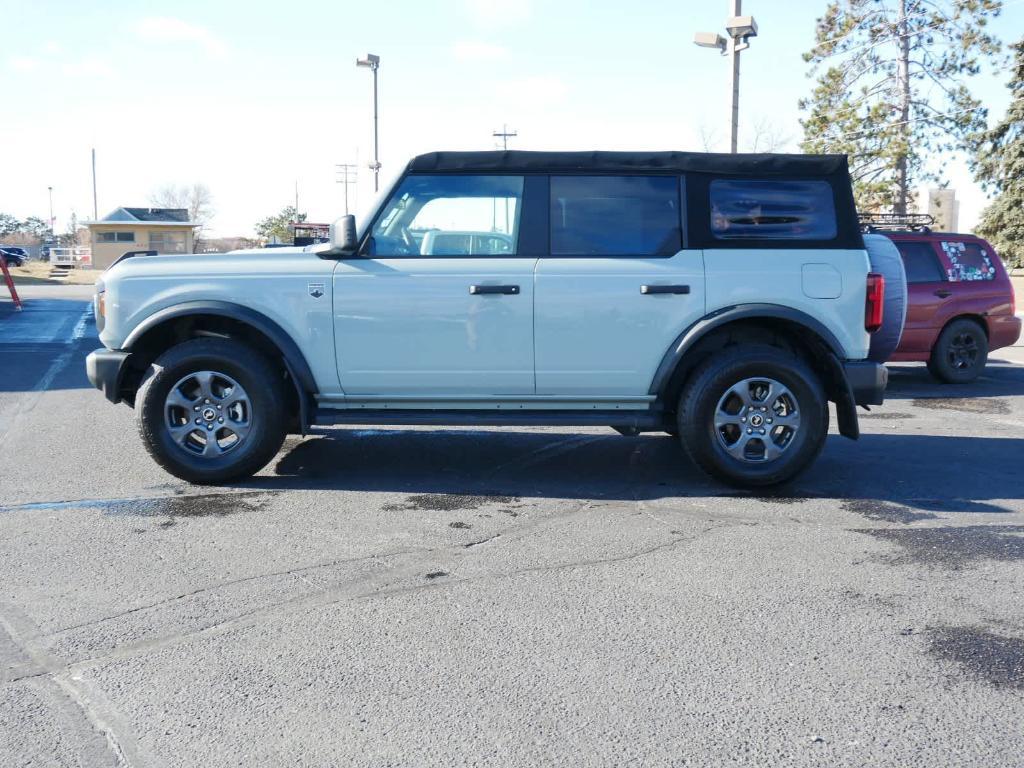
448	502
952	547
995	659
965	404
875	509
170	507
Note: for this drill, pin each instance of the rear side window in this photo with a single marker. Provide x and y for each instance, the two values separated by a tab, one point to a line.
615	216
969	261
921	263
748	209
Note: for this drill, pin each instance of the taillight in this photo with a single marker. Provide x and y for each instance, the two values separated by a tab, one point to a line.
874	303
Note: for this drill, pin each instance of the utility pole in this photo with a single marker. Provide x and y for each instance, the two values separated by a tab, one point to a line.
95	212
373	62
504	134
296	199
903	84
50	190
346	175
740	29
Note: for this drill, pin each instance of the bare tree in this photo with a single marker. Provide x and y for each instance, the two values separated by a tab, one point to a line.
768	137
708	138
195	198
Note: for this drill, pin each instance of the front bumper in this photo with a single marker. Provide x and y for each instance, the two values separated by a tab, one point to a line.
105	369
867	381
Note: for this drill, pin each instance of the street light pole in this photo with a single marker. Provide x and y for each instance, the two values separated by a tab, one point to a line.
373	62
734	87
740	29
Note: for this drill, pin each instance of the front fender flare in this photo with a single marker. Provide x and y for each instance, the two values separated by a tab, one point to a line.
293	357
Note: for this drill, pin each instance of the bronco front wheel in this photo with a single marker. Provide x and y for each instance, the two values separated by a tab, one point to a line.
212	411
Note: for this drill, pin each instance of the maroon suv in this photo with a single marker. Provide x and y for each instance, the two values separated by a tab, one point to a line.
960	303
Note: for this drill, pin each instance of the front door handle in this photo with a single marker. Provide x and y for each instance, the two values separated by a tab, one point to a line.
482	290
942	293
649	289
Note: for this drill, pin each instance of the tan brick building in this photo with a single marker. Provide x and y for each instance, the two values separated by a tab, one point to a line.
166	230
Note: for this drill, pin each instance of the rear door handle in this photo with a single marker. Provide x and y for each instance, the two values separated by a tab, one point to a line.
942	293
482	290
649	289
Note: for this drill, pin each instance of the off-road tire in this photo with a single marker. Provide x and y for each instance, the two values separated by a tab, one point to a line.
720	373
943	363
253	372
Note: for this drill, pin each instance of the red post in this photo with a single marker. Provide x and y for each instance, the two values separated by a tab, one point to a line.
10	283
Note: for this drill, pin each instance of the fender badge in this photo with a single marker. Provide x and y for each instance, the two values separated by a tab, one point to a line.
316	290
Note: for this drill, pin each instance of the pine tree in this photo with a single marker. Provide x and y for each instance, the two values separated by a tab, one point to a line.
998	165
891	89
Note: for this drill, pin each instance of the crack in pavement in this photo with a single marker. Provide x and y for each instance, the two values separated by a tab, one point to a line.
233	582
372	587
98	711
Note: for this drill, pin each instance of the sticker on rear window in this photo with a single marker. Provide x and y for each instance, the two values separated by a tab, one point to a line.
968	261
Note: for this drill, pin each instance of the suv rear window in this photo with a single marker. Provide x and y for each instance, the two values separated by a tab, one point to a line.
615	216
969	261
921	262
772	210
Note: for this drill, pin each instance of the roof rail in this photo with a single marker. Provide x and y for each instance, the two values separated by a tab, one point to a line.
910	222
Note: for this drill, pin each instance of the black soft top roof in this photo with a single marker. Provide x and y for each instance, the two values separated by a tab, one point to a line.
604	162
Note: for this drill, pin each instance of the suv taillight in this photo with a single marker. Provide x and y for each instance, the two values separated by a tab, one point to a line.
874	302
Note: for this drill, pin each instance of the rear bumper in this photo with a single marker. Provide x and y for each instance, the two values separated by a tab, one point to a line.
1003	331
867	381
105	369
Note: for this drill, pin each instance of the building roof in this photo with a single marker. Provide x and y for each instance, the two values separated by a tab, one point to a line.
618	162
149	216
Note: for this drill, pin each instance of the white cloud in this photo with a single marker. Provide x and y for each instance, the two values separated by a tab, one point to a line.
168	29
90	67
52	48
477	50
23	63
498	13
538	91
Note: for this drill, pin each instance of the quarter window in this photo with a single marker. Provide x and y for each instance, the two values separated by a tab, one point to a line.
920	262
450	215
615	216
748	209
969	261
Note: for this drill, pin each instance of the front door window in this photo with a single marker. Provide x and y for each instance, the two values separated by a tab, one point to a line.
450	215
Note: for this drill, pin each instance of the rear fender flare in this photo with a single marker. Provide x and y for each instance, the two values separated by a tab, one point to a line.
836	383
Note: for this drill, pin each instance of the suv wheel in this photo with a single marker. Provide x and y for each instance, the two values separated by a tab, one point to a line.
753	416
960	354
209	411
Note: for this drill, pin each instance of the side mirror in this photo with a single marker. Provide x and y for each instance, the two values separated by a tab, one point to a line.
343	237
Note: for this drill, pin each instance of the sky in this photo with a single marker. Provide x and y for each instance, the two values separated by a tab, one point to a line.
253	98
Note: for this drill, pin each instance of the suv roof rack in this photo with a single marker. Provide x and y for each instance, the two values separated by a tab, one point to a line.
910	222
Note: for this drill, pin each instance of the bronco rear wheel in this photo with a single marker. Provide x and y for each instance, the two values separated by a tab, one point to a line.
753	416
211	411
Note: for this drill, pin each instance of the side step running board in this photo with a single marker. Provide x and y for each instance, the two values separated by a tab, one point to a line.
632	421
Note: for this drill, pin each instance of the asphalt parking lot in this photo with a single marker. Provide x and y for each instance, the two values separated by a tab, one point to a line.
521	597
